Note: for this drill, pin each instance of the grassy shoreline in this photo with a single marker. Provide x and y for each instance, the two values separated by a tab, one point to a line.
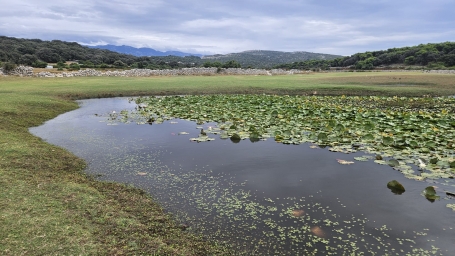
49	206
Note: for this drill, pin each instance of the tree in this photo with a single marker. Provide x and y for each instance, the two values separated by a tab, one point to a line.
448	60
118	64
410	60
27	59
61	65
231	64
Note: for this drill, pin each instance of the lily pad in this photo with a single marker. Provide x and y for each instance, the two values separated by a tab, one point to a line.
361	159
393	163
322	136
430	194
396	187
387	140
235	138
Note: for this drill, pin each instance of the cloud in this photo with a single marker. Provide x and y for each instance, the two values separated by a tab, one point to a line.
337	27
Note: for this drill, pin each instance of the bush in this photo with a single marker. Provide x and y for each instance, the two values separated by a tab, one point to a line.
8	66
74	66
39	64
61	65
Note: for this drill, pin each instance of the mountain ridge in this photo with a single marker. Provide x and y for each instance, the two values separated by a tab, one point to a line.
268	58
142	51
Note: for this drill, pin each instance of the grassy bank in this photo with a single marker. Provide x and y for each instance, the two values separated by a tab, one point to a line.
48	205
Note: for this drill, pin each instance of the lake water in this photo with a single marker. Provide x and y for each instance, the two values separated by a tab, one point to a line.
264	198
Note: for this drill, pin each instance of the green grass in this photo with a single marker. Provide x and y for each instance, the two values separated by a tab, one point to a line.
48	206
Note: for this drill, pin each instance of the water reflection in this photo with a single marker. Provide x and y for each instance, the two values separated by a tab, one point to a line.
264	197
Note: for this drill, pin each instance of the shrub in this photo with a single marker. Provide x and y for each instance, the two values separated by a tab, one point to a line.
74	66
39	64
8	66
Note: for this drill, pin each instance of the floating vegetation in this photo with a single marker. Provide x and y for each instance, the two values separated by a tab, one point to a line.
221	209
430	194
396	187
414	131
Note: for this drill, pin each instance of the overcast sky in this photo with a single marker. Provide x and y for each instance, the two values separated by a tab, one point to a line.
341	27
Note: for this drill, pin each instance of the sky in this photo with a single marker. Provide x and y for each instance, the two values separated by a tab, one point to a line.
220	27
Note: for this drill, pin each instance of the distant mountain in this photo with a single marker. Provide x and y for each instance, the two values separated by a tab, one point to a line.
268	59
138	52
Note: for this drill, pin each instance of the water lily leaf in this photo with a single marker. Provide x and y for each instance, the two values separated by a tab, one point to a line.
430	194
235	138
442	163
224	135
396	187
430	144
254	137
183	133
368	137
452	164
451	206
369	126
424	150
393	162
322	136
380	162
387	140
331	124
340	127
413	144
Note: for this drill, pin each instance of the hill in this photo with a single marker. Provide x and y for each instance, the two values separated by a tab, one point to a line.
268	59
139	52
37	53
434	56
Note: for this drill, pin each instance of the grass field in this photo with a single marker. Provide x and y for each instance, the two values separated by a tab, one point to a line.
49	206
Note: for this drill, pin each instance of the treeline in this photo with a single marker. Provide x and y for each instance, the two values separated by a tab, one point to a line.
268	59
38	53
434	56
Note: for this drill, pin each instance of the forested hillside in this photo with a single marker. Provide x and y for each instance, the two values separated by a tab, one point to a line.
37	53
434	56
268	59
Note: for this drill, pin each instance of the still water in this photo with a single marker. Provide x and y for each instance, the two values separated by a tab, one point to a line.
264	198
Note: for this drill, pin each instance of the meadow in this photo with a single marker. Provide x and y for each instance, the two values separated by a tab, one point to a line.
50	206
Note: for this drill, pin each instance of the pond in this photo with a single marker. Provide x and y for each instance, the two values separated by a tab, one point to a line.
262	198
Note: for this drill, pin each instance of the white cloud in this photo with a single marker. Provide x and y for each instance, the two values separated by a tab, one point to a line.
343	27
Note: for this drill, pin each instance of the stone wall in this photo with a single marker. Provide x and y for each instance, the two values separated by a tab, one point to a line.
19	71
440	71
171	72
28	71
